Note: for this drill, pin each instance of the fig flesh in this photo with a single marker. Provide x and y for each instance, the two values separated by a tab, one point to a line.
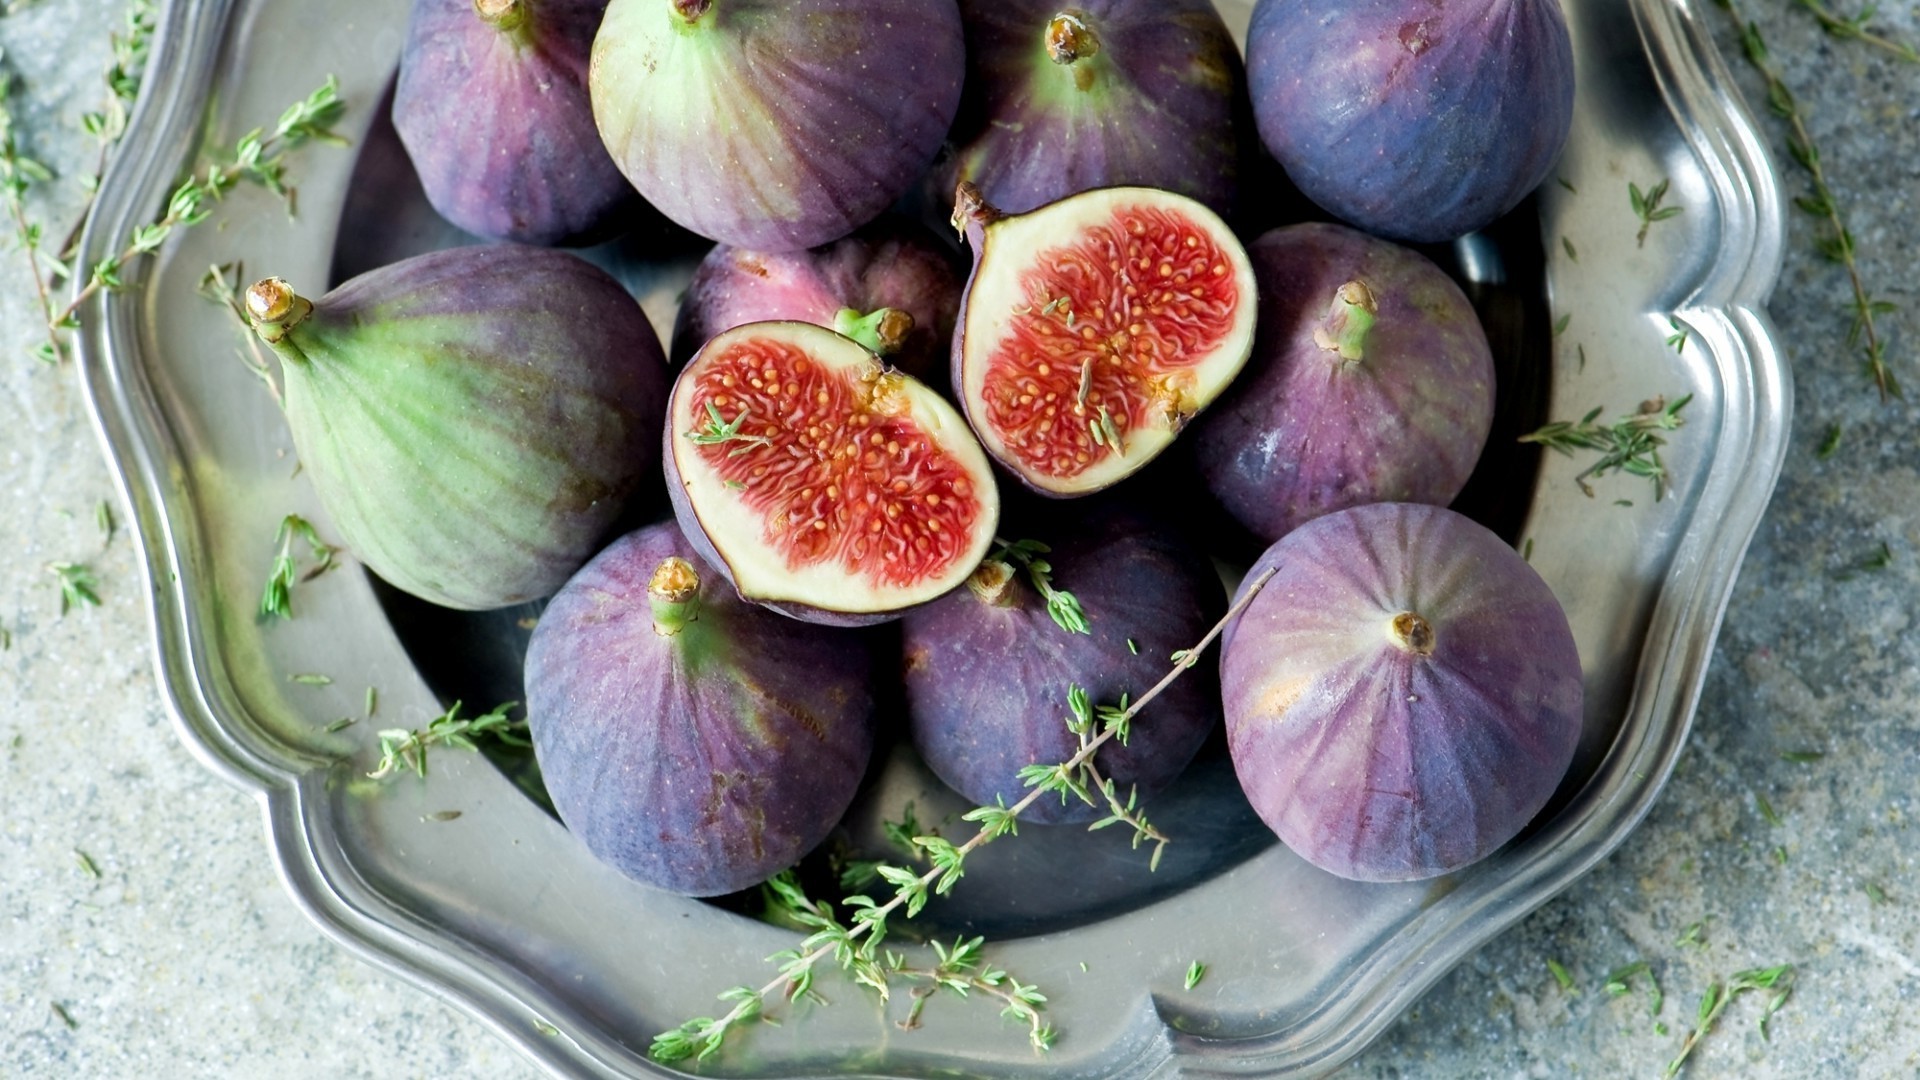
696	743
823	483
529	165
774	125
1403	696
1371	381
475	419
1414	121
1064	97
889	286
988	668
1094	328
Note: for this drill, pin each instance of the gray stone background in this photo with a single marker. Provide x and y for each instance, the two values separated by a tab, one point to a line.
184	957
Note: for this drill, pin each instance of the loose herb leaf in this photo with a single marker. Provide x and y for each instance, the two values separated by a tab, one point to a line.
87	865
1646	206
1630	444
1195	972
1562	976
1829	442
65	1017
76	585
276	601
1802	757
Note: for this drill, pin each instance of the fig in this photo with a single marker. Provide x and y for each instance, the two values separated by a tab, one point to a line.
1414	121
988	668
474	420
776	125
1094	328
820	481
889	286
1402	696
694	742
1064	97
1371	381
527	164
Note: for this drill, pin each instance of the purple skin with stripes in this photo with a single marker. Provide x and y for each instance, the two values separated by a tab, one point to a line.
1413	120
1380	747
475	419
702	762
987	679
1130	92
1399	416
892	263
776	125
493	111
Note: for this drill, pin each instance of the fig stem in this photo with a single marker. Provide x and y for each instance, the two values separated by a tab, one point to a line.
275	309
1070	39
1349	320
673	592
691	10
971	212
882	331
1412	632
505	16
993	583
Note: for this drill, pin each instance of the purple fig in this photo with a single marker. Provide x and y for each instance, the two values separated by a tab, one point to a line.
889	286
1412	120
1064	97
1403	695
694	742
1094	328
989	668
473	419
1371	381
822	482
776	125
491	104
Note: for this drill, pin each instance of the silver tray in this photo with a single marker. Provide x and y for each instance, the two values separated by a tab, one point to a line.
499	912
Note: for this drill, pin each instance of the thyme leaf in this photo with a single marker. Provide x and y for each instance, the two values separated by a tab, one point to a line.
276	601
1646	206
76	585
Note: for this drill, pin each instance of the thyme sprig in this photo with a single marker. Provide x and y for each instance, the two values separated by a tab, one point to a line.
1062	606
403	749
1855	29
1081	782
1646	206
1630	444
18	174
856	947
718	430
277	599
1838	243
1778	979
961	971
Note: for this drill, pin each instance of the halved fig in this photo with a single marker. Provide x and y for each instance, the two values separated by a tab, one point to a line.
823	483
1094	328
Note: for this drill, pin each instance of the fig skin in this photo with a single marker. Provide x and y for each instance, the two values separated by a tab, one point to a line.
892	263
1381	747
1413	121
987	681
494	114
1400	416
702	762
475	419
1064	97
774	125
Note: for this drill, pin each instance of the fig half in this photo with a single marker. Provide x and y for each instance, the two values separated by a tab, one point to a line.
823	483
1094	328
1403	695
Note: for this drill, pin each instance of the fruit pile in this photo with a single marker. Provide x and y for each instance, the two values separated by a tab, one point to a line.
848	433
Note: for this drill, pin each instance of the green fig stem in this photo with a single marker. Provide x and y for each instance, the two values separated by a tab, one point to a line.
505	16
275	309
674	593
1071	39
882	332
1413	633
993	582
1349	320
691	10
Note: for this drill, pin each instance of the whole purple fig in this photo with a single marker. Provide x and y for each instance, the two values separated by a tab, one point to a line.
776	125
491	104
1403	695
1371	380
1412	120
889	286
1062	97
990	669
473	419
697	743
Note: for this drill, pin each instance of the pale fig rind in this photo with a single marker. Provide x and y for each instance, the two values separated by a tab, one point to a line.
771	125
474	420
1065	97
1396	410
1094	329
694	742
838	491
1404	694
494	114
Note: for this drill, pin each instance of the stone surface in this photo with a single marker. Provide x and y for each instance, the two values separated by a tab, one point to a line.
179	953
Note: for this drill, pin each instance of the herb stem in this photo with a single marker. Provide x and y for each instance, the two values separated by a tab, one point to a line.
1856	29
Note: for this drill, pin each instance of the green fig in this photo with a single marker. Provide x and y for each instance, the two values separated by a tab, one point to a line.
474	420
